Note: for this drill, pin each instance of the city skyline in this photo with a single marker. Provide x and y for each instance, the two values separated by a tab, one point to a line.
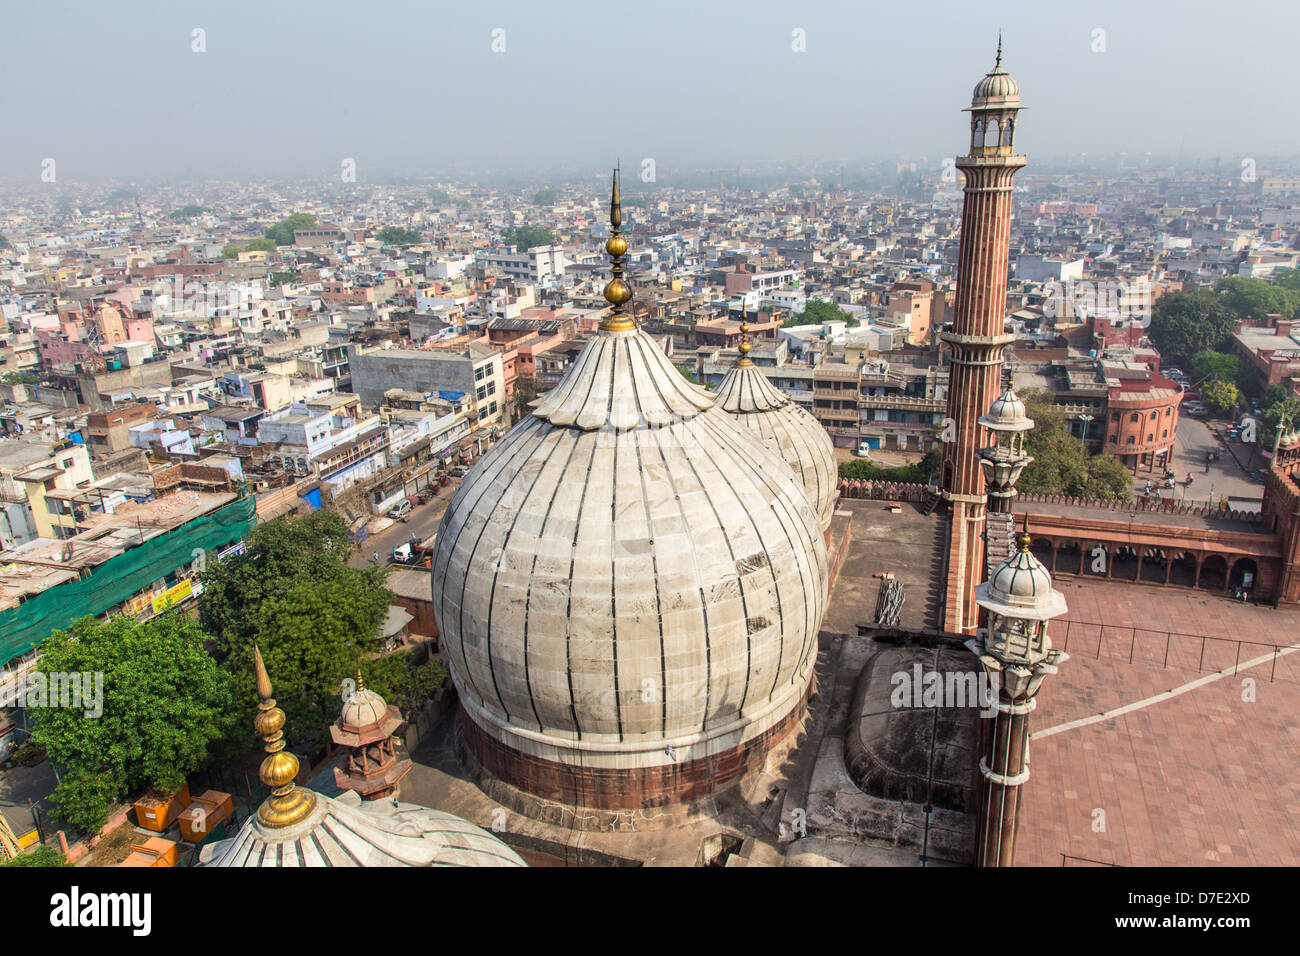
196	91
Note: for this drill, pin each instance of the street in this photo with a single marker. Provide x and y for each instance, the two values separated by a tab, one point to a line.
421	523
1225	477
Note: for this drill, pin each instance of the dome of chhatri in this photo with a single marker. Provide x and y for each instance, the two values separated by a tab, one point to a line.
1021	587
789	430
1007	414
997	90
364	708
628	580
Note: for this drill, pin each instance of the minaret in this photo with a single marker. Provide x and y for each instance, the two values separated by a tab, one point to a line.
978	335
1016	655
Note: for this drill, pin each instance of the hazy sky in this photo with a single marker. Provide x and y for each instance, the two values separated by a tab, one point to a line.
112	89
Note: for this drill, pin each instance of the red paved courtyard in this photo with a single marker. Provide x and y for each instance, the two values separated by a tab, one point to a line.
1201	777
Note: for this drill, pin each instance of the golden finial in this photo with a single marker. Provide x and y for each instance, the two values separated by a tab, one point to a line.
1022	539
288	803
617	292
744	361
997	64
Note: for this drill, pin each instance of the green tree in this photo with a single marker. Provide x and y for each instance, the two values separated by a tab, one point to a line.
316	619
1184	323
1284	406
1062	464
398	236
166	708
817	311
527	237
188	211
439	198
282	232
545	197
1248	298
41	856
1206	365
1220	395
401	682
280	278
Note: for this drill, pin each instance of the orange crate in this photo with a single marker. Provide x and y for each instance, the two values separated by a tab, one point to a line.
154	851
202	816
157	810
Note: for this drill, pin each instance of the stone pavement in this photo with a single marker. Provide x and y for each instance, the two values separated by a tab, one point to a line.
1209	775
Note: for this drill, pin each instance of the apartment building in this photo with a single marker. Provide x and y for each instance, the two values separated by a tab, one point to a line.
33	476
475	370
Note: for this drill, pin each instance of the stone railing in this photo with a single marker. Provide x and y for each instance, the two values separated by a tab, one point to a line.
1150	507
882	490
897	491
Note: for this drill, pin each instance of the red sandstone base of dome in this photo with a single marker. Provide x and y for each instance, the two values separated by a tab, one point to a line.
607	788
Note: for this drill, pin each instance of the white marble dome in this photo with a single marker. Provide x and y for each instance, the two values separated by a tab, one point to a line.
787	429
344	831
629	578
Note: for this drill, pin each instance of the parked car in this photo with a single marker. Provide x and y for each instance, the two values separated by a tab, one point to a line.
460	471
1194	408
401	511
1174	373
863	450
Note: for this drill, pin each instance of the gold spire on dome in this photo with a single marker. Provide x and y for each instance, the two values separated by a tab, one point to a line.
1022	539
288	803
744	361
617	292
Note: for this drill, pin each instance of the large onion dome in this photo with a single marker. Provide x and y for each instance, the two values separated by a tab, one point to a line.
786	428
628	585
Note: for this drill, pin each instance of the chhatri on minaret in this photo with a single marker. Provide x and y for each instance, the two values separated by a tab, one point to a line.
789	430
978	335
629	584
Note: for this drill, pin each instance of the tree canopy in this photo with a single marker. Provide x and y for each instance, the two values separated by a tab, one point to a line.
817	311
316	619
527	237
164	709
439	197
1220	395
1184	323
546	197
282	232
398	236
188	211
1206	365
1062	464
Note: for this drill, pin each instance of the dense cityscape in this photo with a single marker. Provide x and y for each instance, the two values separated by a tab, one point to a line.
720	515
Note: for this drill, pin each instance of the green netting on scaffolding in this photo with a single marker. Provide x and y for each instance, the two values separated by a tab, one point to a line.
121	577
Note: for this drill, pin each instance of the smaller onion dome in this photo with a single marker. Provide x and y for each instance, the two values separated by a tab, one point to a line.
363	709
1021	587
1007	414
997	90
790	431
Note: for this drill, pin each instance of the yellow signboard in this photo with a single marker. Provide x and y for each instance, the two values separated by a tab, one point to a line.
172	596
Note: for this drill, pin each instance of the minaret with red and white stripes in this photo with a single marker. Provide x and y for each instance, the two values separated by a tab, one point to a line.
978	334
